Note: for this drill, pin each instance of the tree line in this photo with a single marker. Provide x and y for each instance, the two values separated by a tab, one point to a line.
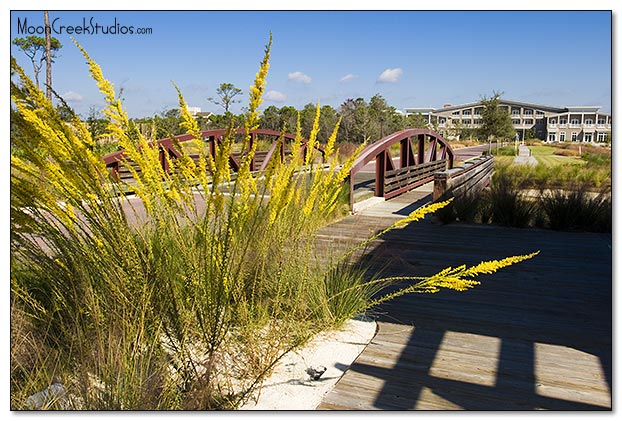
360	120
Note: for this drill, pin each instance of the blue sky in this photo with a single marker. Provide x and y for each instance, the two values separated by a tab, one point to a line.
411	58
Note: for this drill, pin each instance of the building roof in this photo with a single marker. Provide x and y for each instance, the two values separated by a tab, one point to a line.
508	102
426	110
584	108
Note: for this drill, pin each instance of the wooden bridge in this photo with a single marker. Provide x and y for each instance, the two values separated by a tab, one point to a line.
424	156
117	163
537	335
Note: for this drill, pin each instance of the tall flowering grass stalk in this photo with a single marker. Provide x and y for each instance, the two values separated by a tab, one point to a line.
185	293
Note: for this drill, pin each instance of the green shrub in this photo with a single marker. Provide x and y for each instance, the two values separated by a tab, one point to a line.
346	150
507	205
560	176
505	151
577	210
565	152
597	159
465	208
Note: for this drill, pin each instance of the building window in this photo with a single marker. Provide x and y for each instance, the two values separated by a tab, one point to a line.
552	137
466	112
553	122
529	121
574	136
539	112
467	121
562	136
574	121
456	113
602	121
587	137
589	121
562	121
602	137
528	112
516	122
477	122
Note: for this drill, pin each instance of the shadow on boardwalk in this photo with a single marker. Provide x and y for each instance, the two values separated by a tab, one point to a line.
536	335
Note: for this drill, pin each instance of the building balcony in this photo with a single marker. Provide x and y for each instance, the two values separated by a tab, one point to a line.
552	125
574	126
604	126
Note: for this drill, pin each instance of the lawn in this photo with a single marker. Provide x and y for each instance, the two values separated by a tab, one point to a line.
565	165
546	155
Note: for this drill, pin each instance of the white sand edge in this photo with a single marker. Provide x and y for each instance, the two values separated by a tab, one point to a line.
290	388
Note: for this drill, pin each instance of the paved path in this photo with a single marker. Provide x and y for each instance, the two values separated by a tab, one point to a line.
536	335
524	157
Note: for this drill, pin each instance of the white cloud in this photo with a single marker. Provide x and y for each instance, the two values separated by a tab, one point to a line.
72	96
275	96
348	78
299	77
390	75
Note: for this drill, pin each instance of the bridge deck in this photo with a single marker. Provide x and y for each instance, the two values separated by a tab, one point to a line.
533	336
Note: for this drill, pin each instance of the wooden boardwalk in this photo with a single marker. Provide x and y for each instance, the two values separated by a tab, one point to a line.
537	335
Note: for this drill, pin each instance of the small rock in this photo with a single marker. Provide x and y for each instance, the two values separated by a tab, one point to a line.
40	400
316	371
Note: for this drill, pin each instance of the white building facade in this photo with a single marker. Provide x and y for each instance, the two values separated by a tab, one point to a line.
552	124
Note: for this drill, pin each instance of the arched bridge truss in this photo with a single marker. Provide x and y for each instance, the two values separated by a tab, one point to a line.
116	160
422	153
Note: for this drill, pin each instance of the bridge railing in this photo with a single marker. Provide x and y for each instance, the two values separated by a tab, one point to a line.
470	177
422	153
402	178
115	161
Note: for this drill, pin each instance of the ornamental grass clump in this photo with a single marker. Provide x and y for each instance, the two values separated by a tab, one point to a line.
182	294
507	205
577	209
185	292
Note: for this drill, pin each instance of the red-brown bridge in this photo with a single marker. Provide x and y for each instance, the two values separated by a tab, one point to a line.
167	148
411	158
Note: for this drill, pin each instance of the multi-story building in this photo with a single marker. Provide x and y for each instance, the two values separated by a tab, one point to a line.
553	124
